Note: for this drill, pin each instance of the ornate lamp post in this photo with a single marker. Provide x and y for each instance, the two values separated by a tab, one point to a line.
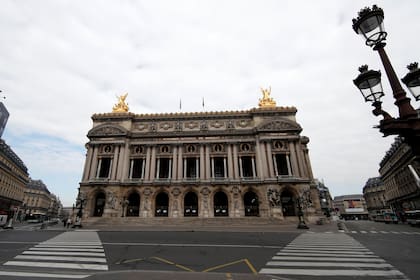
369	24
79	202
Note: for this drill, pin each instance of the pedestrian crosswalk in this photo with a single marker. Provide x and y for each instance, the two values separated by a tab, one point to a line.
384	232
73	254
329	255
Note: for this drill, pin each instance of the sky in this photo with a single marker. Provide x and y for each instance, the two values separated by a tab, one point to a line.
61	61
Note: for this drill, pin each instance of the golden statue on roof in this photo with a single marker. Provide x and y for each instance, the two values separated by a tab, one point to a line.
121	106
266	101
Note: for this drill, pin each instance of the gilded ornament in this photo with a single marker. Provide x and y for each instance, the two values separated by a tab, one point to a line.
266	101
121	106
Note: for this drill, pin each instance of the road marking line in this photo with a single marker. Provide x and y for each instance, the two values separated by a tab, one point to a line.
363	231
395	232
370	255
43	275
330	264
57	258
192	245
332	258
332	272
59	265
63	253
353	231
172	263
329	248
385	232
69	246
251	267
373	231
326	251
66	249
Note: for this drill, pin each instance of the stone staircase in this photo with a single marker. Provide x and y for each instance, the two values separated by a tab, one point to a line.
185	222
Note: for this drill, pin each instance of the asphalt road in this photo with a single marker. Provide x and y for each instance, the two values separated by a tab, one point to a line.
396	243
222	255
192	251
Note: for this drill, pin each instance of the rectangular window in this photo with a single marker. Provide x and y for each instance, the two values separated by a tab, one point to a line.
136	168
282	164
191	168
164	168
104	167
247	166
218	167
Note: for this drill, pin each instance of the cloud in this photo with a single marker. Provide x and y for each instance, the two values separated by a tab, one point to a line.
64	61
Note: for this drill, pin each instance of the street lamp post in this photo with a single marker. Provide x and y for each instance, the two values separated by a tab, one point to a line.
80	201
369	24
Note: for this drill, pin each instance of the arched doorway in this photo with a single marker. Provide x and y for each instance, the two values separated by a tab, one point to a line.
190	205
99	205
133	205
162	205
221	204
251	204
288	203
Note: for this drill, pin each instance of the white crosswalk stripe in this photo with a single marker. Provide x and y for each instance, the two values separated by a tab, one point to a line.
384	232
70	253
329	255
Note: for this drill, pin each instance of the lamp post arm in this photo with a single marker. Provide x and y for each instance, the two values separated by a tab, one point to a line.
379	111
401	99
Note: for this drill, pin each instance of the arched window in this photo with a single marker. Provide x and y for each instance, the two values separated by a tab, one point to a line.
288	203
99	205
133	205
221	204
251	204
162	205
191	205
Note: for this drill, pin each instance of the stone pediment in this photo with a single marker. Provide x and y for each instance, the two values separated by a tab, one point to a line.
107	130
279	125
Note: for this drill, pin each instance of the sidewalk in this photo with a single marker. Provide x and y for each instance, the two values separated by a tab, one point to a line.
327	227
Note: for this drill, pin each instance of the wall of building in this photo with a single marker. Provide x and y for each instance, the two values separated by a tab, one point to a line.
232	156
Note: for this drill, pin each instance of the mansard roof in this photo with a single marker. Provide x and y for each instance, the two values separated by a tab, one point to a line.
37	185
10	154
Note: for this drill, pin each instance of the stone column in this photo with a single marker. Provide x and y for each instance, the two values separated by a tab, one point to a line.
147	162
269	155
202	165
125	161
153	163
259	162
94	165
174	172
207	163
300	159
116	163
235	162
230	161
293	159
180	164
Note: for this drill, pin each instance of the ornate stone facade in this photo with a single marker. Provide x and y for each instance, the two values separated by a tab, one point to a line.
210	164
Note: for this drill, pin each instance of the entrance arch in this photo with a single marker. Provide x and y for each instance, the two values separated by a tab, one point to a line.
221	204
191	205
288	203
133	205
251	204
162	205
99	205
